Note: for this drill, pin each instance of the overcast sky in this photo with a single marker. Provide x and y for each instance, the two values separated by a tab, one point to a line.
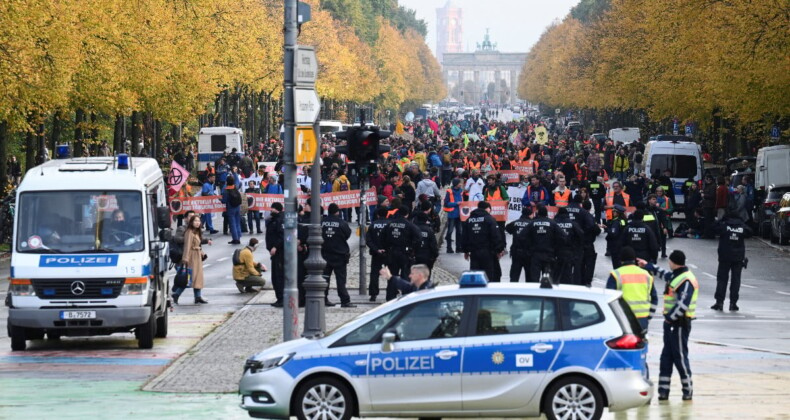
515	25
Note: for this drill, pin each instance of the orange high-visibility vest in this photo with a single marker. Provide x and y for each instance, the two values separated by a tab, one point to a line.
451	200
562	199
496	196
610	202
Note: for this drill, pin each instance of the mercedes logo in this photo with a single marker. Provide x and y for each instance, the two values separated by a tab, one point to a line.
77	288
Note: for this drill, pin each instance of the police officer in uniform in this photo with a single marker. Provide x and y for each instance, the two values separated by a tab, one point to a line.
544	236
275	244
519	256
427	250
336	253
302	250
641	238
614	234
637	286
399	239
597	190
483	242
569	253
378	255
732	254
680	305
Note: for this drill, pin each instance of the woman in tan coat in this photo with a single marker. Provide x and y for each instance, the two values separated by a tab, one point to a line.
193	258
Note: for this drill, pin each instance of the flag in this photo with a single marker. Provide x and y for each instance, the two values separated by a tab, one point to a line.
466	140
176	178
434	126
492	133
399	128
514	136
455	130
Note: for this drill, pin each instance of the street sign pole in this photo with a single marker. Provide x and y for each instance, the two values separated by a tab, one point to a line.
290	295
315	286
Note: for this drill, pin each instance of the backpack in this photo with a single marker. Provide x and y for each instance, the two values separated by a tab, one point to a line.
344	186
237	257
436	161
234	197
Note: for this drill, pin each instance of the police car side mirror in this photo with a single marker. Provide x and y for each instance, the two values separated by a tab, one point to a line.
387	342
163	217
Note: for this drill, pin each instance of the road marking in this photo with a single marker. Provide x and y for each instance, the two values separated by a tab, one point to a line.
709	275
783	293
748	287
223	259
206	265
693	266
85	360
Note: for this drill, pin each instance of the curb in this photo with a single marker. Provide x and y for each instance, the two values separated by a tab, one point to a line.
768	242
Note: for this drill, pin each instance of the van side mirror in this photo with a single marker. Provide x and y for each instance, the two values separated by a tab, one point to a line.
163	217
387	342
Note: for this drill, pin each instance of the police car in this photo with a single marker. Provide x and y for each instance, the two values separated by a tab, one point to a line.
469	350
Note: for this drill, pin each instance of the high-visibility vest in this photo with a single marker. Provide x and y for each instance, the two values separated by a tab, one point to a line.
670	299
635	284
473	165
451	200
496	196
665	204
562	199
391	213
610	202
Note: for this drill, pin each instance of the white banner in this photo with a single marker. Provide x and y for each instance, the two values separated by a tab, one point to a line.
514	206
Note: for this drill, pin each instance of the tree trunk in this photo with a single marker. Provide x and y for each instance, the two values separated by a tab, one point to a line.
136	134
57	130
117	135
41	143
3	156
30	150
159	142
79	136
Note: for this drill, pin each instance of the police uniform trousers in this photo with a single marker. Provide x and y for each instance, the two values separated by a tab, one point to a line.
376	262
728	270
337	264
568	269
588	264
519	261
399	264
278	274
538	263
301	276
675	353
485	260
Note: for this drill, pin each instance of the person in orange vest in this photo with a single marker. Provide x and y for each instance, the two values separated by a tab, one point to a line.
561	196
616	195
494	191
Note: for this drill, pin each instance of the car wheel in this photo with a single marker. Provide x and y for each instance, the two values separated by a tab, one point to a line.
52	335
33	334
324	398
161	324
146	332
765	230
784	239
774	239
18	338
573	397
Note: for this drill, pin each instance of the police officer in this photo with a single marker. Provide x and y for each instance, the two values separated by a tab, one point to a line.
378	255
519	255
427	250
597	190
483	242
568	270
544	236
275	244
680	305
399	239
302	250
589	256
640	238
336	253
637	287
614	234
732	253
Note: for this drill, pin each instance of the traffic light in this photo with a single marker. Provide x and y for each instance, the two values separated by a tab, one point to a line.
363	143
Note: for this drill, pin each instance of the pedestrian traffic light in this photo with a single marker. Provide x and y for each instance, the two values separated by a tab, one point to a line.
363	144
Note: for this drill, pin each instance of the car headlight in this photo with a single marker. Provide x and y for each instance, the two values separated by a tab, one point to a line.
21	287
134	286
255	366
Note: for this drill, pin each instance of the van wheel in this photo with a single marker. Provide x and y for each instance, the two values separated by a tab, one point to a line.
34	334
146	332
161	324
573	397
324	397
18	338
53	335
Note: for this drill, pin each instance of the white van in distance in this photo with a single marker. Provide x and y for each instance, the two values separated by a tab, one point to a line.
214	141
89	254
626	135
681	157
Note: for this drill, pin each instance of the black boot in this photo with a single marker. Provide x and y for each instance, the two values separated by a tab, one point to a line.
200	300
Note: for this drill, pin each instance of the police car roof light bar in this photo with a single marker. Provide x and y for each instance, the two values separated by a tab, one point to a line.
123	161
473	279
62	151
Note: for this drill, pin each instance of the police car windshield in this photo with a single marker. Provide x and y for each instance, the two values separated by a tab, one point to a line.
85	222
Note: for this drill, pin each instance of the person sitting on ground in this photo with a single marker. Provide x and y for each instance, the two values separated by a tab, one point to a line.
248	273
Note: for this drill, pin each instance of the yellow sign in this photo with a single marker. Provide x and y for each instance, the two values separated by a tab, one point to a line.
306	145
541	135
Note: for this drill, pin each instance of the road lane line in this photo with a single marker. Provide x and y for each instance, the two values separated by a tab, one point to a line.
747	286
223	259
206	265
709	275
693	266
783	293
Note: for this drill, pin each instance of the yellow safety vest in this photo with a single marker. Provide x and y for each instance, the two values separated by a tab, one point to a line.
636	285
669	296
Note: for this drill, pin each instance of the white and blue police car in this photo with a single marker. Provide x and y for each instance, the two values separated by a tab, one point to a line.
468	350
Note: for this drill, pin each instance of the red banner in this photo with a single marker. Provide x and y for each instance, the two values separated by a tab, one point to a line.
525	169
511	176
498	209
263	202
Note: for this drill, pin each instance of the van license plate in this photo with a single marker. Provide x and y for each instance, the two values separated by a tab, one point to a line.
77	314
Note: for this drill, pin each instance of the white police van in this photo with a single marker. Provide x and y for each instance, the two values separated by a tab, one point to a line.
88	253
470	350
683	158
213	142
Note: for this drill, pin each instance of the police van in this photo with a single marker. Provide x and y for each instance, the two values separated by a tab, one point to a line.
468	350
89	253
213	142
683	158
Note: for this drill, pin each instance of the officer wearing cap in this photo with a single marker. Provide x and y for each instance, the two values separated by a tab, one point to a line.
275	244
544	236
640	238
336	253
399	239
519	249
483	243
732	256
614	234
568	270
637	286
378	255
680	305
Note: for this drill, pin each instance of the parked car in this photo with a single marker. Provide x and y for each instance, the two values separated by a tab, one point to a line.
468	350
780	221
574	128
764	212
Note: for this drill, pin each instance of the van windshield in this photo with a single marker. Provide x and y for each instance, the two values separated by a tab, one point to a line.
681	166
54	222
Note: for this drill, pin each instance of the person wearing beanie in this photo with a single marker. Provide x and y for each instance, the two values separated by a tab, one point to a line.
637	286
452	197
275	244
519	250
336	253
680	305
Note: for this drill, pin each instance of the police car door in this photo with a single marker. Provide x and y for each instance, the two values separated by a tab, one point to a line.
513	345
422	373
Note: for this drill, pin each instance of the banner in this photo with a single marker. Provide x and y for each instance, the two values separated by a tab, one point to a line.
498	209
514	205
263	202
525	168
510	176
202	204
